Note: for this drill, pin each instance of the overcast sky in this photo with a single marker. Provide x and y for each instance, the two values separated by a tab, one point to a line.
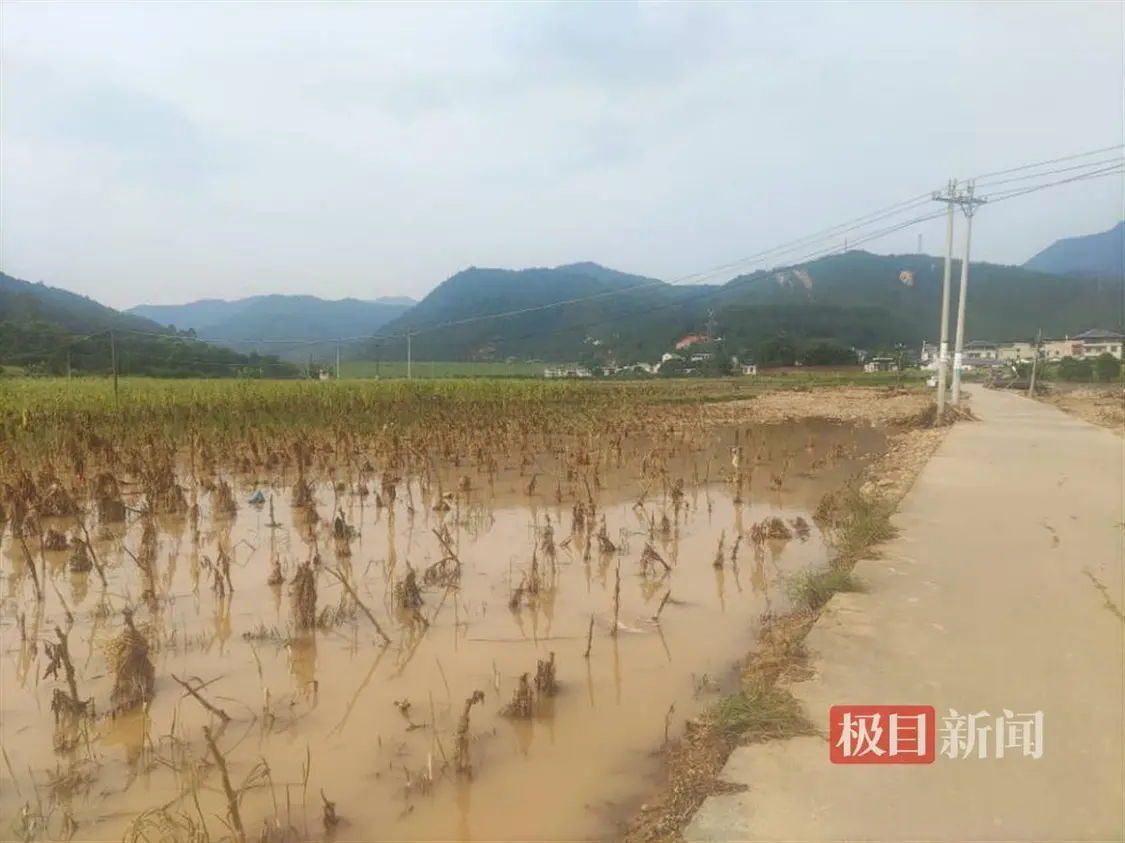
161	152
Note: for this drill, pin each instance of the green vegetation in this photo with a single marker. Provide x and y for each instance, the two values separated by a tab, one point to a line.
813	589
435	369
613	304
819	310
760	711
813	314
46	331
1104	368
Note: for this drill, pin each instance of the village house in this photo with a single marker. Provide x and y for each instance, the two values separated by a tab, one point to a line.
567	372
1097	342
981	353
981	350
1015	352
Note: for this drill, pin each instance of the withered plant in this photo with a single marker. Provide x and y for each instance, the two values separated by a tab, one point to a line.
302	593
225	504
66	705
461	736
134	677
720	554
54	540
546	685
408	596
522	705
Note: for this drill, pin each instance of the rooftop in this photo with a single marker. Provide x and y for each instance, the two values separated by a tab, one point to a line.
1097	334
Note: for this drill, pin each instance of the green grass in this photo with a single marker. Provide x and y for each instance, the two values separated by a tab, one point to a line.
760	712
861	524
813	589
362	369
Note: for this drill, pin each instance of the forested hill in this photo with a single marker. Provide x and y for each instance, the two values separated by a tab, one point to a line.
1101	254
853	299
559	311
48	330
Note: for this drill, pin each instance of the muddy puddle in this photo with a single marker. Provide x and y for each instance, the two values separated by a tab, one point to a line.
379	730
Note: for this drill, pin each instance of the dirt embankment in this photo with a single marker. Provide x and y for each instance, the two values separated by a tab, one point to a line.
1103	406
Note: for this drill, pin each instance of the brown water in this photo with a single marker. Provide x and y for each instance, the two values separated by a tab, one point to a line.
372	726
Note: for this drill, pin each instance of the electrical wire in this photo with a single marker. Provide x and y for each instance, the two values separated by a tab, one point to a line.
1047	163
1115	170
832	232
696	277
1120	159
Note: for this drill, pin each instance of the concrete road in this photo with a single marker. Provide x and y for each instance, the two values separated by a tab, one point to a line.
1004	590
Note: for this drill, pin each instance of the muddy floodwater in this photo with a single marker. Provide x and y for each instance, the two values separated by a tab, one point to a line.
335	714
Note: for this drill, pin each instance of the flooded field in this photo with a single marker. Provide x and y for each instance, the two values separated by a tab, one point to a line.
442	653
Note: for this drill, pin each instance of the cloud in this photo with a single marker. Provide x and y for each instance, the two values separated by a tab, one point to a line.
168	151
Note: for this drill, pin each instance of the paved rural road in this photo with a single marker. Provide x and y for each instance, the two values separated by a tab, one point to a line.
1003	590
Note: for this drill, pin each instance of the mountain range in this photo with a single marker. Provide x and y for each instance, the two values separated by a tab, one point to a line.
292	327
584	311
1101	254
52	331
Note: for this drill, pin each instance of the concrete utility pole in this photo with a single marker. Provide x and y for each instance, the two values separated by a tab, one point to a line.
950	199
113	365
969	205
1035	363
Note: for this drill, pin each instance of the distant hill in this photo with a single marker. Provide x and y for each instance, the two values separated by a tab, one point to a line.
47	329
612	305
308	324
1094	254
868	300
855	299
404	301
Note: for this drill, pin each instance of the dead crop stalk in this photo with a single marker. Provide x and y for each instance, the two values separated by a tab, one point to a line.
616	599
228	790
461	738
211	707
351	592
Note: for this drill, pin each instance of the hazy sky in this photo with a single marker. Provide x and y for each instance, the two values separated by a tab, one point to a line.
161	152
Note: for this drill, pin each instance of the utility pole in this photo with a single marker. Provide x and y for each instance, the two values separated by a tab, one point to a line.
113	365
68	362
1035	363
409	334
949	198
969	205
337	359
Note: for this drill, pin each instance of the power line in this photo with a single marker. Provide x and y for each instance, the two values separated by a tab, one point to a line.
775	252
1012	194
1116	160
1047	163
834	231
679	302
